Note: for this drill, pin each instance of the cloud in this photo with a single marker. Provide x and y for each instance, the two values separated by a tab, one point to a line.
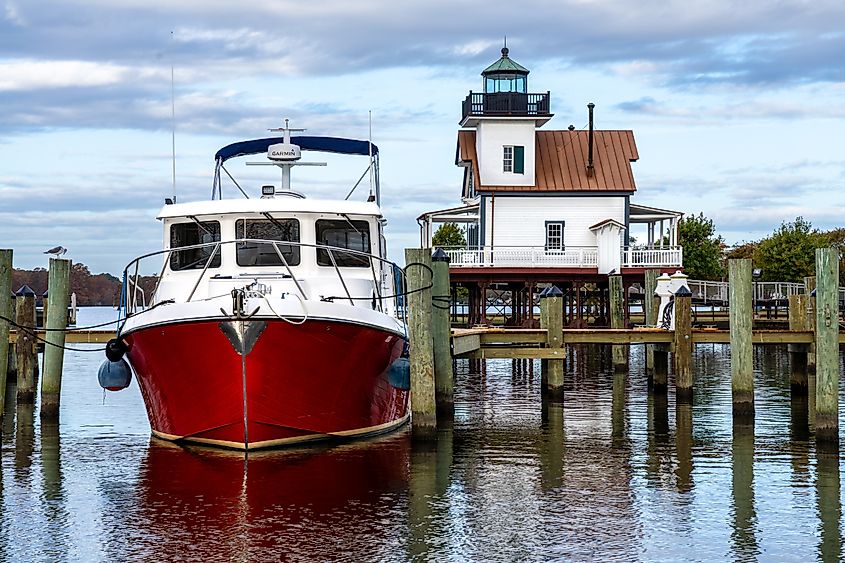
686	44
750	108
29	74
12	14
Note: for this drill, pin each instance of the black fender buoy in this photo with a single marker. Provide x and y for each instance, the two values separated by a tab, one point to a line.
114	376
115	349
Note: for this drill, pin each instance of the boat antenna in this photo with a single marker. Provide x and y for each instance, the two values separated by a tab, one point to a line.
370	146
173	120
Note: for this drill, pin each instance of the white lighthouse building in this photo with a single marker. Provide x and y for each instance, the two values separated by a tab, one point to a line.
558	200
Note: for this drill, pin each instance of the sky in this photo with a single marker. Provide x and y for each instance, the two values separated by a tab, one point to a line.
738	108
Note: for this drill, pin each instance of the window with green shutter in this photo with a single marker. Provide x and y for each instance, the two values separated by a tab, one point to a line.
519	160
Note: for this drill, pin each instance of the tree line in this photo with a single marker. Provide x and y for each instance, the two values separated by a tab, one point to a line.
91	289
786	255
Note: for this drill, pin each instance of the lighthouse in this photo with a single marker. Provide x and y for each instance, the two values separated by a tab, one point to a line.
505	117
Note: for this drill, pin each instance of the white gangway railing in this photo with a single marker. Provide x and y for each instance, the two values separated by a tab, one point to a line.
718	291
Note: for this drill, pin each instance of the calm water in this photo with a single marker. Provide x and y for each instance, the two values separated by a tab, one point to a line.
613	474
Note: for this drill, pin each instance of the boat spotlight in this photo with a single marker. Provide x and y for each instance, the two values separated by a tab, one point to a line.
268	191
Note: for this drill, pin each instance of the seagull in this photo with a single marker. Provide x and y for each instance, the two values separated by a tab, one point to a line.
56	251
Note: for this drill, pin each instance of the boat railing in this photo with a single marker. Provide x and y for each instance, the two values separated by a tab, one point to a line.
386	275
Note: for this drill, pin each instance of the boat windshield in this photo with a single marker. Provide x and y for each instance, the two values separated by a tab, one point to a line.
263	254
190	234
343	233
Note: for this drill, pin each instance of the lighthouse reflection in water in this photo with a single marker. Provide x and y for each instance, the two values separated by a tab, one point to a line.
615	473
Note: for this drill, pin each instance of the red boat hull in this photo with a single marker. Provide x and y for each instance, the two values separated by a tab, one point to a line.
320	379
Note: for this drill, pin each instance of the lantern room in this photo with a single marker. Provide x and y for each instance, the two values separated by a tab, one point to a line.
505	75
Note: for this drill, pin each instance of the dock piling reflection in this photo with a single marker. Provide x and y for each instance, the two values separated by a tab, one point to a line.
744	522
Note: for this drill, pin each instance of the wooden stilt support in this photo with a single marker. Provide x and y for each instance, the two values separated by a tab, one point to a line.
742	368
809	286
827	345
25	346
56	323
683	345
423	405
650	306
798	320
440	329
6	312
617	320
554	339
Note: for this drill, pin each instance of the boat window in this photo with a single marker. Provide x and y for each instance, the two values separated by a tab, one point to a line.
190	234
354	235
263	254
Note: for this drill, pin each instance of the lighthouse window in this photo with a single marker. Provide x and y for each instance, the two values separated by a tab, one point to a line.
344	234
193	234
513	159
264	254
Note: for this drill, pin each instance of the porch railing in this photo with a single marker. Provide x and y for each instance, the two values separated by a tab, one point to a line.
570	257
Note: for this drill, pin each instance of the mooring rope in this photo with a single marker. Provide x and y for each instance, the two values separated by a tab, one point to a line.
35	330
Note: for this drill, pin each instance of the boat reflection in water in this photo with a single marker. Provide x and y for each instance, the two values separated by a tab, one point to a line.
208	503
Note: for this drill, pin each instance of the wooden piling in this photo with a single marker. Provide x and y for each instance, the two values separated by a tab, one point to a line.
827	345
798	320
44	305
619	353
683	345
55	323
544	323
6	312
554	339
742	368
660	378
650	305
423	403
809	286
25	346
440	331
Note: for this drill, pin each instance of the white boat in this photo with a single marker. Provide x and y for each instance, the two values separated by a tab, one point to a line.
273	319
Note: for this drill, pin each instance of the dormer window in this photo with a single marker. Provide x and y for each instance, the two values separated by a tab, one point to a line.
513	159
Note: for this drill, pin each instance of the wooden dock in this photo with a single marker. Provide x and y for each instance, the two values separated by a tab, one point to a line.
812	329
89	336
497	342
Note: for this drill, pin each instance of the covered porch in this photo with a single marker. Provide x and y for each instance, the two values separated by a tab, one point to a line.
661	247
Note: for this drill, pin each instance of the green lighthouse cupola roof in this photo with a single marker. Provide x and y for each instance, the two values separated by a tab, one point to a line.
505	75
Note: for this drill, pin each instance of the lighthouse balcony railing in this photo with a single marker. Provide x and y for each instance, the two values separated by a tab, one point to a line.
569	257
506	104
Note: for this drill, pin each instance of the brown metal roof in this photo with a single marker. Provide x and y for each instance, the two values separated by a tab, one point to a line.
561	161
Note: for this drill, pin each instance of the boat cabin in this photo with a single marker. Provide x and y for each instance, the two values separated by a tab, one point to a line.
284	241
